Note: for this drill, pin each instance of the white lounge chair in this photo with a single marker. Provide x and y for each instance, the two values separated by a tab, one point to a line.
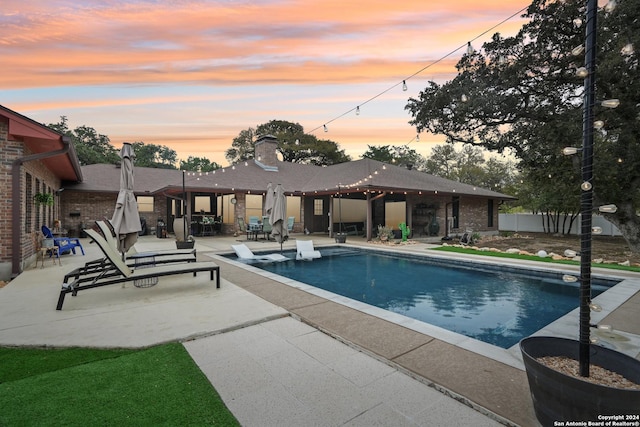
245	253
305	250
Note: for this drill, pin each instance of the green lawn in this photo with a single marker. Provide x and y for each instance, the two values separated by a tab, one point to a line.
529	257
88	387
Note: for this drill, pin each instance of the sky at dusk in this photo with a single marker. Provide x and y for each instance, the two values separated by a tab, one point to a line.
191	74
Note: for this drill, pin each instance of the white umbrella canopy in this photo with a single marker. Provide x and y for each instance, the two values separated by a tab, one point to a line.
278	216
126	219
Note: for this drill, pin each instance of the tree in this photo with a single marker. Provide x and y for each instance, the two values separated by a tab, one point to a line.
90	146
294	145
398	155
198	164
154	156
242	146
521	95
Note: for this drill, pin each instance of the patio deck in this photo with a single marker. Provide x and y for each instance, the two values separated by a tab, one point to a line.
246	339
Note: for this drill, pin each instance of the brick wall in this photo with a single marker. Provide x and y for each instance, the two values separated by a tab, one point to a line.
39	215
81	209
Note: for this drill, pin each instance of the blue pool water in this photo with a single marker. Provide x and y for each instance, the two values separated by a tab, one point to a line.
483	302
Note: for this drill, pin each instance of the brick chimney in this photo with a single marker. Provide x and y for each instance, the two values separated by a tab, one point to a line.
265	150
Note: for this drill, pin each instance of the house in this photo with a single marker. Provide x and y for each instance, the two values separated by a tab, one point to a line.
36	160
342	197
353	197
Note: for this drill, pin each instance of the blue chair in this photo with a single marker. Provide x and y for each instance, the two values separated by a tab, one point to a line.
64	244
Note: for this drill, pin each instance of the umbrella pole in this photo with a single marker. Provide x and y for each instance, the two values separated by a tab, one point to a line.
184	209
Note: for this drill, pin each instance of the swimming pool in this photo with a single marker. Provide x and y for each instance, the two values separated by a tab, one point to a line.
497	305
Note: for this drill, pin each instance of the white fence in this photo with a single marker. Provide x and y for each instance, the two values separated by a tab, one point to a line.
534	224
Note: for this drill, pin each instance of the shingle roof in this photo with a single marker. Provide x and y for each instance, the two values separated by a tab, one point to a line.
294	177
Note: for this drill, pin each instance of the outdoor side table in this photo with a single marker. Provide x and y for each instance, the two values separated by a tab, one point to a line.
145	261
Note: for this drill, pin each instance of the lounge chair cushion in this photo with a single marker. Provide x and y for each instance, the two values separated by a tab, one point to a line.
306	251
245	253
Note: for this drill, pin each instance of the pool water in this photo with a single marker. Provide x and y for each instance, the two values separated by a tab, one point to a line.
486	303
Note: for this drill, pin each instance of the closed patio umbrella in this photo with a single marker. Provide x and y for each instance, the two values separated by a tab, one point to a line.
278	216
126	219
268	200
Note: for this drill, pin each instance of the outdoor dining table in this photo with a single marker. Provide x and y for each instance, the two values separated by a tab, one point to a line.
253	230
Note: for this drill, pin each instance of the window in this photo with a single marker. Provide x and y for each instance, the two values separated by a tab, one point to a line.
394	214
293	207
145	203
318	206
455	211
226	208
253	206
38	208
490	213
202	204
28	208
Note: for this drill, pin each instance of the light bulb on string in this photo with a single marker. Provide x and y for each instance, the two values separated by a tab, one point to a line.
325	128
582	72
358	110
404	85
598	124
577	51
470	49
464	98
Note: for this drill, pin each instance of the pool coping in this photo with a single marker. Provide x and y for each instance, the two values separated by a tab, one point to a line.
483	376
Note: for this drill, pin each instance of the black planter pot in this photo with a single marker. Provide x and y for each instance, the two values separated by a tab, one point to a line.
562	398
189	244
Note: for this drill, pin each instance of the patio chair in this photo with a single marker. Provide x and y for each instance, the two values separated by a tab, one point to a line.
64	244
243	252
243	227
266	227
116	271
466	238
306	251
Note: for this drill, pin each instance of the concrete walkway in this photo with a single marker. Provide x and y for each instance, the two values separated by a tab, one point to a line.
280	355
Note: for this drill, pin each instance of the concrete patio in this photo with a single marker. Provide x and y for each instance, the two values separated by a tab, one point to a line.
282	354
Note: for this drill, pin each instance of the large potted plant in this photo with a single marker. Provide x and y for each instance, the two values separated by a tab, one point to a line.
561	395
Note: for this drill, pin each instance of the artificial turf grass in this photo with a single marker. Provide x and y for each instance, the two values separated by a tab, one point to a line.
529	258
156	386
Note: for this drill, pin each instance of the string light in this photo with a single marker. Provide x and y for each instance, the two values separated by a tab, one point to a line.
404	81
358	110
